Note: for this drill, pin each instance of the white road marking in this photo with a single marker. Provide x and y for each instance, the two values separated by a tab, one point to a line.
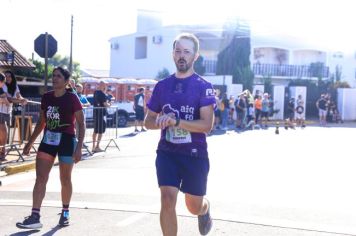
132	219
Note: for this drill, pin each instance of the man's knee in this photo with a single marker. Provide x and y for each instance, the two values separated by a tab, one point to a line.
194	205
168	200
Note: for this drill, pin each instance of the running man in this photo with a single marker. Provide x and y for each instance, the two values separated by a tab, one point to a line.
182	106
60	109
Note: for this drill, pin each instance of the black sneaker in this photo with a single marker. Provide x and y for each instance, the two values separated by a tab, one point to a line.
64	220
205	222
30	222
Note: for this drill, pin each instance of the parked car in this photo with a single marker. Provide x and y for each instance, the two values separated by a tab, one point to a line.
119	113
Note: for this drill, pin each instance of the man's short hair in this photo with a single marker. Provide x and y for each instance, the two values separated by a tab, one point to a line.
190	37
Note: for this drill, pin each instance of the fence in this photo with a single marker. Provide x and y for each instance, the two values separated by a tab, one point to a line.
101	120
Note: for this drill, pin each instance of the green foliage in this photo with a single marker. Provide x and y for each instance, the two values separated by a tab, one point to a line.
337	75
57	60
244	76
162	74
267	81
234	57
199	67
316	69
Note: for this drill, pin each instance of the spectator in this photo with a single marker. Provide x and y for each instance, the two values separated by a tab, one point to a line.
99	115
139	106
300	111
224	111
4	117
82	98
321	104
265	109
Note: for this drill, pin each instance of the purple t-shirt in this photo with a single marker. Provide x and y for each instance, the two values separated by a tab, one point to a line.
59	111
183	98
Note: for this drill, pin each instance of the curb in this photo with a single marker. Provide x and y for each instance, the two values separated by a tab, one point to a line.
20	168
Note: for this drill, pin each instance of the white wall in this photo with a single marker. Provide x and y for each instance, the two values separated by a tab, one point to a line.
346	103
159	56
278	99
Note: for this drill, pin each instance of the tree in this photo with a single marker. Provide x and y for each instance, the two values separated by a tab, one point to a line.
162	74
316	69
53	62
199	66
234	57
267	81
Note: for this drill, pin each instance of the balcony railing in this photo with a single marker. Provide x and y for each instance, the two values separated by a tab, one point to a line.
298	71
290	70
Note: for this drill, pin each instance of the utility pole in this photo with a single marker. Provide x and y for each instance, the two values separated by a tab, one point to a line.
71	46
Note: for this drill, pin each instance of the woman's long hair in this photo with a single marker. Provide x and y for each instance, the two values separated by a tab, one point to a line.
11	87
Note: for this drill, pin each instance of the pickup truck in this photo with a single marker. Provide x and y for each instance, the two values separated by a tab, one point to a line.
119	113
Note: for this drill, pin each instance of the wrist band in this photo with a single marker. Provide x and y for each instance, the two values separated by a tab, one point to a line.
177	121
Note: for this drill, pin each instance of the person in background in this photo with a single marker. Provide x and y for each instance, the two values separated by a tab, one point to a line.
12	92
4	117
217	112
109	94
265	110
99	115
139	107
82	98
225	103
300	111
321	104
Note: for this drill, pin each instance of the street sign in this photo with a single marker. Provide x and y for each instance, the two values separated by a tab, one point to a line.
7	56
40	45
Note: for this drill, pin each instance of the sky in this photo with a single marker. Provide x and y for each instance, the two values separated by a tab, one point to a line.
328	23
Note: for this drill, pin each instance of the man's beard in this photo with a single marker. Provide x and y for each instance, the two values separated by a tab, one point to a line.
183	67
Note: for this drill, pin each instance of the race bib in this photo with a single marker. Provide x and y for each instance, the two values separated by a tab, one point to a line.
178	135
52	138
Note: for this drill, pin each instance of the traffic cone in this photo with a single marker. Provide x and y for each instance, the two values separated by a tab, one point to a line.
277	128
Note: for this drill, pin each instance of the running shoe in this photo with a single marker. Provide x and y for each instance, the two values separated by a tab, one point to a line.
30	222
205	222
64	220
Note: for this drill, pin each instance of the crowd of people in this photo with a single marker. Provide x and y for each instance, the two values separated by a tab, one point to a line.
246	111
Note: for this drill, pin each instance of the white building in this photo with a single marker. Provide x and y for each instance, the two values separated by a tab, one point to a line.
144	53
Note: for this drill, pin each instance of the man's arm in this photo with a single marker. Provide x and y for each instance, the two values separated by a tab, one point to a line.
203	125
150	120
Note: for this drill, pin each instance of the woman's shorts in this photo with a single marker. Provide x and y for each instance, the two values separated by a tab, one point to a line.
4	118
63	144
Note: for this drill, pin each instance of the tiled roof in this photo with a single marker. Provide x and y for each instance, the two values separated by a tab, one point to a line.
19	62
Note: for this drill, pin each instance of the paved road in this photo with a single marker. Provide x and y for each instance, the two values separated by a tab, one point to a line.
300	182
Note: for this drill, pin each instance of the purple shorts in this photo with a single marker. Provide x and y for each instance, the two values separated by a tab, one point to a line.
187	173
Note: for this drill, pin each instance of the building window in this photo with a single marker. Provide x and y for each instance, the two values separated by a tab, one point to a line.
141	48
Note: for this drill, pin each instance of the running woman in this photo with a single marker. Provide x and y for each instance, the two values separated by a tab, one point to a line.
60	109
182	106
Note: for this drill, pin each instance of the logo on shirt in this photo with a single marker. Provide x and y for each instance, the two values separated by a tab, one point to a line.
209	92
53	118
